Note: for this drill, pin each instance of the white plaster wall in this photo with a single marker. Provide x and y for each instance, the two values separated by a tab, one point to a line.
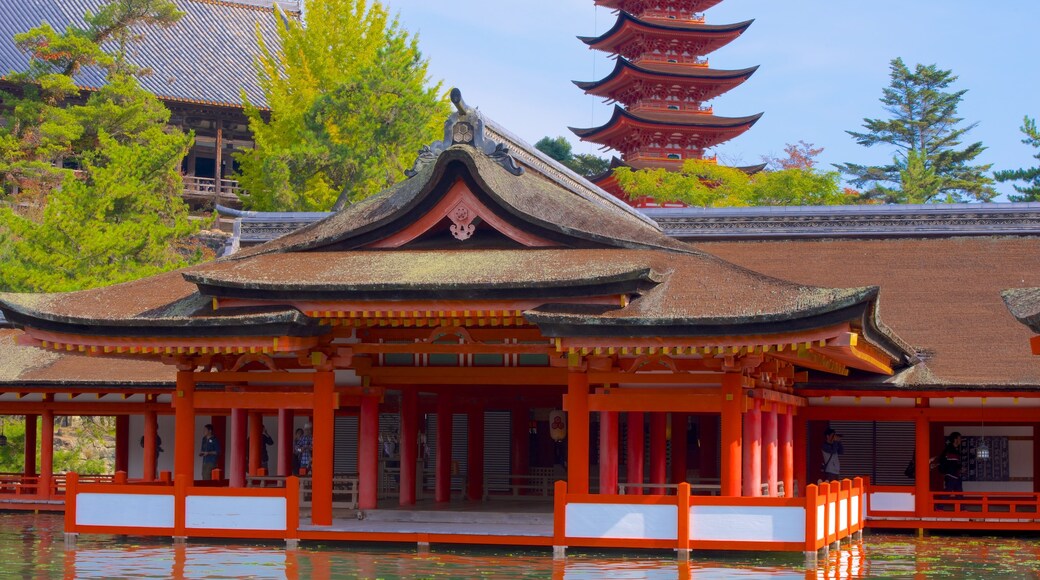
135	463
234	513
118	509
747	523
891	502
624	521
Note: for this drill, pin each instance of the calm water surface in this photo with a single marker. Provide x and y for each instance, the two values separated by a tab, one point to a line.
32	547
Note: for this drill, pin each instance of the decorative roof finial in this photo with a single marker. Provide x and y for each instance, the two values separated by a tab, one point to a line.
465	127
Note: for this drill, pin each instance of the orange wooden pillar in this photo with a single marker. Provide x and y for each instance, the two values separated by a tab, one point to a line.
442	485
285	442
256	441
236	474
922	455
577	407
753	450
46	453
322	440
635	444
148	461
30	444
475	455
680	424
184	426
786	436
220	423
801	452
731	460
658	451
520	440
122	459
770	457
368	454
409	444
608	452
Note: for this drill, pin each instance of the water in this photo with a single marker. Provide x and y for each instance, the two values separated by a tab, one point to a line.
32	547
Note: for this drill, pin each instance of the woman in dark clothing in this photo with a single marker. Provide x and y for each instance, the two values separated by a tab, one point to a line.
950	463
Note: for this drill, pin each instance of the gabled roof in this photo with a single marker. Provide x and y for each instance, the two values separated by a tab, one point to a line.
207	57
690	5
1024	304
572	265
716	35
724	127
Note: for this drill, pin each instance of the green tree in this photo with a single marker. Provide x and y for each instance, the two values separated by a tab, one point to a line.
706	184
350	106
120	217
584	164
1031	189
923	122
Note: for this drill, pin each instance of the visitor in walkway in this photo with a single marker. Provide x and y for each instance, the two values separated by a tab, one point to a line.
305	445
208	452
267	440
297	451
950	463
832	448
158	450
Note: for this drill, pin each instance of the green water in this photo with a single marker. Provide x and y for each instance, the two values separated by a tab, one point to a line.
32	547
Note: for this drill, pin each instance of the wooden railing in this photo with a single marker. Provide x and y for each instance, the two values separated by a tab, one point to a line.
204	189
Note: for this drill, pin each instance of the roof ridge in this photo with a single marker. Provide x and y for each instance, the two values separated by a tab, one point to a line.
248	6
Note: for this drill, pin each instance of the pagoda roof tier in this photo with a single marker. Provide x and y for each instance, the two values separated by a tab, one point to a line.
638	7
704	130
471	238
626	74
632	37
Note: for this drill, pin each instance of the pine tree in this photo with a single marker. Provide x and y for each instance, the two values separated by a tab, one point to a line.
1031	176
121	216
350	107
923	127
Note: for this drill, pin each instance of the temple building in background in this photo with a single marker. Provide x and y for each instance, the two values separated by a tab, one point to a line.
660	87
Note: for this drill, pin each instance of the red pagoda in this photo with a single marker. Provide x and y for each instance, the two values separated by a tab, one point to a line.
661	83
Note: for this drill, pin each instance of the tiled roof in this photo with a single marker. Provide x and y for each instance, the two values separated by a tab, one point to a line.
942	295
1024	304
30	366
207	57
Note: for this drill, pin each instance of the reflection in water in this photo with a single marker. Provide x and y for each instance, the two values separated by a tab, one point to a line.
31	546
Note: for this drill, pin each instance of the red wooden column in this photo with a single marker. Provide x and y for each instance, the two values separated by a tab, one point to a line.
658	451
922	455
608	452
46	453
442	485
323	435
770	457
239	431
30	444
634	456
520	439
753	450
151	425
732	403
409	444
577	407
368	454
475	455
680	422
256	441
184	426
786	434
285	441
801	453
122	442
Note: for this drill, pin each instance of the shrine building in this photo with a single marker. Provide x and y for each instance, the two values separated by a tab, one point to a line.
495	351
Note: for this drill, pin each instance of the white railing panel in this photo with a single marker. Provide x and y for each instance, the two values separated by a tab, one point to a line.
855	509
820	513
124	509
843	515
888	501
210	512
622	521
747	523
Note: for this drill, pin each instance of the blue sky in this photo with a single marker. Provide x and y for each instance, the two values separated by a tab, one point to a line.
823	66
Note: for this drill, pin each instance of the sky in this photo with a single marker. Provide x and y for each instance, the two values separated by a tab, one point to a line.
823	66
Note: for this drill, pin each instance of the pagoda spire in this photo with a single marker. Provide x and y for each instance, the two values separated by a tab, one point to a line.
661	84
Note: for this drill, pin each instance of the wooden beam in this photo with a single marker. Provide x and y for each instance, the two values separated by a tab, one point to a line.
632	400
258	401
518	376
778	397
861	413
85	408
437	348
656	378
